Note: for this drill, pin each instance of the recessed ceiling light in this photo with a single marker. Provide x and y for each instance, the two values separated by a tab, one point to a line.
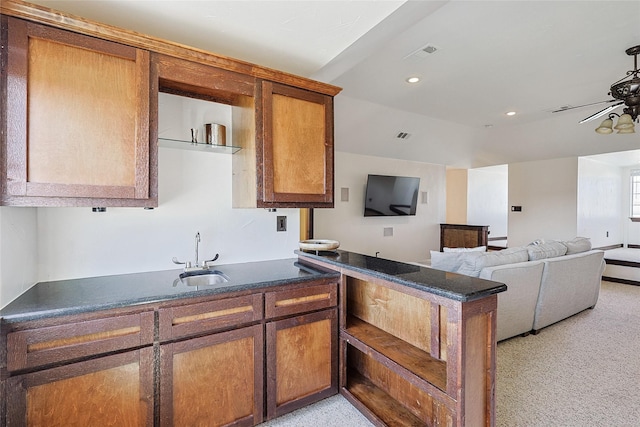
511	113
413	79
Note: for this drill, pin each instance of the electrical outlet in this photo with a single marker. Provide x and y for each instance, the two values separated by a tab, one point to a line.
281	223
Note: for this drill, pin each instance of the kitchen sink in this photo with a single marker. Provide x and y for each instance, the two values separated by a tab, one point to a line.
203	278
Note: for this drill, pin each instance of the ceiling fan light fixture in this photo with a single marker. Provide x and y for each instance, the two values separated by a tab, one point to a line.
630	130
606	127
625	91
624	122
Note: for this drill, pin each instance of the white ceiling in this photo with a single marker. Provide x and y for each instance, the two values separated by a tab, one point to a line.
492	57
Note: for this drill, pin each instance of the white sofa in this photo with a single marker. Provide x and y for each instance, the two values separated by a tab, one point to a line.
544	285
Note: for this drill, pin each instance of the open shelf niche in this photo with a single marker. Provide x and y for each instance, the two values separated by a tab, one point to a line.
404	360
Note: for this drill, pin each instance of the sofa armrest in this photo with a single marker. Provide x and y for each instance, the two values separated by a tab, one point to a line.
570	284
516	306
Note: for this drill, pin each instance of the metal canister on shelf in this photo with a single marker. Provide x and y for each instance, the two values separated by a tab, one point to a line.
215	134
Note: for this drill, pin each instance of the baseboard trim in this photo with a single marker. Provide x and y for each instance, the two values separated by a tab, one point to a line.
623	281
604	248
622	263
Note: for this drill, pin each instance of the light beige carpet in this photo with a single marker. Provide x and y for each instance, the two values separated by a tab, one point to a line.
583	371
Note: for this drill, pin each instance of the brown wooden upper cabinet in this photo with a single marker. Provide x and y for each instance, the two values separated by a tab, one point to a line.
77	120
297	142
80	117
289	162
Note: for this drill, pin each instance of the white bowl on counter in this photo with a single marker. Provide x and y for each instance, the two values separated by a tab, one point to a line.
319	245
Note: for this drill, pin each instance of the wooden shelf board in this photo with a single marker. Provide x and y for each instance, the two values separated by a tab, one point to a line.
379	403
417	361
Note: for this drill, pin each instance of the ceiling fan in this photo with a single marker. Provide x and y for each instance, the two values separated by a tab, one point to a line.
625	91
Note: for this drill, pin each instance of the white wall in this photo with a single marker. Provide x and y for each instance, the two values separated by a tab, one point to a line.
547	190
600	203
631	230
18	251
194	196
413	236
487	198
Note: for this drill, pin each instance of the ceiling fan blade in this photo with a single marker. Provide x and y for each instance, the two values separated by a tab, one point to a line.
601	112
567	108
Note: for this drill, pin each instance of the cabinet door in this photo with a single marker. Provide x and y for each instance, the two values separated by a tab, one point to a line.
302	361
113	390
78	119
297	147
215	380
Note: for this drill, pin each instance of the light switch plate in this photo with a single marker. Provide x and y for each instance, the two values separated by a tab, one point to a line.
281	223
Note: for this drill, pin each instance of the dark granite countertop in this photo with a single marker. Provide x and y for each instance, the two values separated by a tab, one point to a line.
449	285
73	296
64	297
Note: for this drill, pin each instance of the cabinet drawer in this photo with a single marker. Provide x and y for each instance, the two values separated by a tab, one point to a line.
176	322
42	346
301	300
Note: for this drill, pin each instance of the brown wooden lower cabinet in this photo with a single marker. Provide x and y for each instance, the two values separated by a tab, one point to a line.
232	360
114	390
302	362
215	380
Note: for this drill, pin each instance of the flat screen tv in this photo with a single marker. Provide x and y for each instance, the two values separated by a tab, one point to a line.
391	195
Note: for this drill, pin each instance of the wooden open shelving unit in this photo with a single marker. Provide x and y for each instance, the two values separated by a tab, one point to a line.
409	357
384	346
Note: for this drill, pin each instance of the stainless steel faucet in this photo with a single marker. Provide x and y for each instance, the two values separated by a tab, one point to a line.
191	267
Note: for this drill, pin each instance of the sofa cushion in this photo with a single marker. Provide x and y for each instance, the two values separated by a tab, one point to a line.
476	249
546	249
577	245
474	262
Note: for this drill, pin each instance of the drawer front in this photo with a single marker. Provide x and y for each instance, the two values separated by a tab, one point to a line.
192	319
300	300
42	346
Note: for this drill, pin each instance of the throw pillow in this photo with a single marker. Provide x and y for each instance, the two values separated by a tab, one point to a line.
447	261
476	249
577	245
548	249
476	261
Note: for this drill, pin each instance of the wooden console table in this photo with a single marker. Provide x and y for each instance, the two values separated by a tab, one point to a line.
463	236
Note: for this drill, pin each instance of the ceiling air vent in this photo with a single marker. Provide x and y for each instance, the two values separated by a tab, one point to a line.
424	52
403	135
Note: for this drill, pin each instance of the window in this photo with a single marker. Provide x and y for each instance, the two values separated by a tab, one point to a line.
635	195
